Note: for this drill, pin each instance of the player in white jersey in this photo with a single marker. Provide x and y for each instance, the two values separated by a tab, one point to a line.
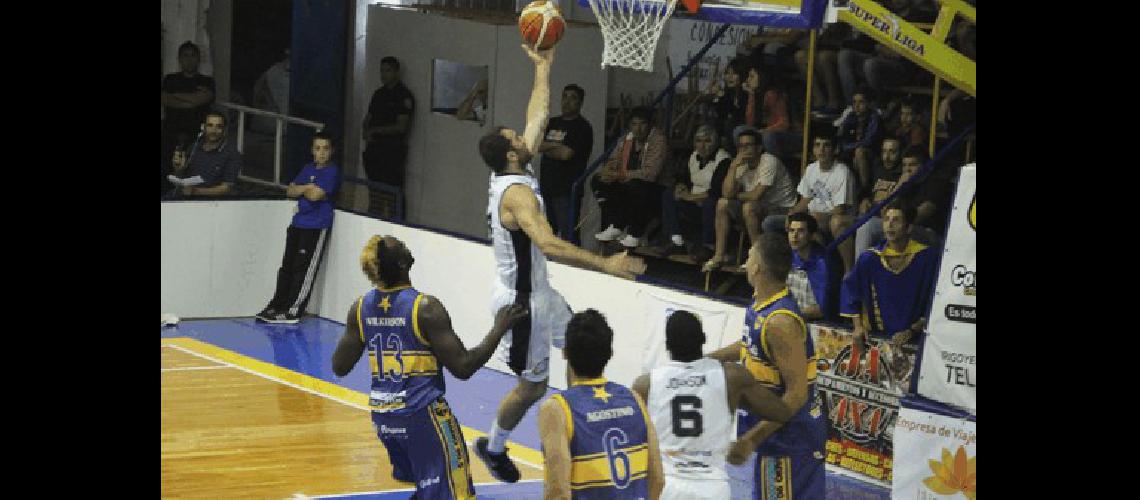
692	402
522	240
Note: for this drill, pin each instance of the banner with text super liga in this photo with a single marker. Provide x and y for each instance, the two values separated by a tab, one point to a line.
949	360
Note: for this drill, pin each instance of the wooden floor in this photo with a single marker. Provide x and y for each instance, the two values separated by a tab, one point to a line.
228	433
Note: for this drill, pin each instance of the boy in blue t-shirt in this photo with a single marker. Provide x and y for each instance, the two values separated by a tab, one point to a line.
314	187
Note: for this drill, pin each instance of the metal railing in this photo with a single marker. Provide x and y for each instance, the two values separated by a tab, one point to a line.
281	120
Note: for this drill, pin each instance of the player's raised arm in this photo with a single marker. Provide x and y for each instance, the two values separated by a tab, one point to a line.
435	323
351	344
538	109
520	202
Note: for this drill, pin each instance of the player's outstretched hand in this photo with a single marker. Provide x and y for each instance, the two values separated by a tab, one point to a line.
507	316
539	56
625	266
739	451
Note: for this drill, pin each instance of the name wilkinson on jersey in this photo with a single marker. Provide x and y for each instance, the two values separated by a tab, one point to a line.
690	381
609	413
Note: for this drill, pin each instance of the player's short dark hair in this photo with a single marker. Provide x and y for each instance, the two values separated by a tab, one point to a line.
915	151
643	112
391	61
493	147
684	338
589	343
577	90
776	254
189	45
325	136
909	213
392	264
807	219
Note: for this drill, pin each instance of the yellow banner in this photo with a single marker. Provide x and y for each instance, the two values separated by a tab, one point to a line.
904	38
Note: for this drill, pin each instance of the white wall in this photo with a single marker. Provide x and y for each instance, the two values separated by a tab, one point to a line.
446	182
219	259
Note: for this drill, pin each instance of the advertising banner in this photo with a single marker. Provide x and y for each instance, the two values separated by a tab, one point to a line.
686	37
941	456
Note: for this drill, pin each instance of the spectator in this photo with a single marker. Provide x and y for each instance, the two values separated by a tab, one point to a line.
315	188
213	158
474	106
186	98
816	274
565	149
827	91
889	290
928	199
271	93
879	66
859	132
386	131
729	102
827	191
756	185
909	130
766	107
626	187
884	178
689	209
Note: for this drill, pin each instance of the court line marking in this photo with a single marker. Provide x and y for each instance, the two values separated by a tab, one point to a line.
187	368
316	386
380	492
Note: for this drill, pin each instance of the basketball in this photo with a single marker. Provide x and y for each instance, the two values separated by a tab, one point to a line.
541	24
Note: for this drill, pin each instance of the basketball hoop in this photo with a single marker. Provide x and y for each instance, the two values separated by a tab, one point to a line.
630	29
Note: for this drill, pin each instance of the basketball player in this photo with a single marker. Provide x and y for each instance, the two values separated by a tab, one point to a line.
408	336
597	442
692	403
522	241
779	353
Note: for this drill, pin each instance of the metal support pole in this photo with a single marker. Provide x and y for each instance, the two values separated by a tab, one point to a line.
241	131
807	102
934	114
277	152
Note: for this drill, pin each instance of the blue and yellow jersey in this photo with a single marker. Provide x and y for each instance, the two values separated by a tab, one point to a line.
806	431
406	376
609	441
890	301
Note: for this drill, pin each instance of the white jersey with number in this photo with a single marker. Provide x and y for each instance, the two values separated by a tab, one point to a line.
688	403
519	262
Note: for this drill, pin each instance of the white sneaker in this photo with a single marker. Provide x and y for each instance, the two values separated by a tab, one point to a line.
611	233
630	241
678	240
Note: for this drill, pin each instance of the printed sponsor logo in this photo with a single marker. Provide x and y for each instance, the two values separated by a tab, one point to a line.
962	314
428	482
962	276
384	429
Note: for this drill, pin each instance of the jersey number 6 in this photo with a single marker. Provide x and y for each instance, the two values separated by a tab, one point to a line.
687	416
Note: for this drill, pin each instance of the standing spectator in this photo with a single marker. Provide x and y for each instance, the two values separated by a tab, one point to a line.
816	274
827	191
271	93
565	149
689	209
626	187
315	188
186	98
730	101
859	132
757	185
888	292
909	130
386	131
214	159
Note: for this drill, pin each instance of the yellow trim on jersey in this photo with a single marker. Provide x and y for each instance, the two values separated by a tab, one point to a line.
416	363
592	381
393	289
416	320
779	295
764	328
359	323
591	456
595	472
767	373
569	416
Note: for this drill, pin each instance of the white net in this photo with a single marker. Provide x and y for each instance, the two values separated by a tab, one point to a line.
630	29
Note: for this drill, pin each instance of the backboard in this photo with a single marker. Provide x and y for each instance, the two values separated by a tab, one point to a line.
797	14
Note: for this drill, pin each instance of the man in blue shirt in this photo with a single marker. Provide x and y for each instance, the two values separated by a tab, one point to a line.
314	187
815	274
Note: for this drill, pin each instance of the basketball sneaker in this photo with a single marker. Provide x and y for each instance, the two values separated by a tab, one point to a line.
265	315
499	464
630	241
284	319
611	233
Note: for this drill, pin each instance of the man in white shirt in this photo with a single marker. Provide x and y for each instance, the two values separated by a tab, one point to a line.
828	192
757	186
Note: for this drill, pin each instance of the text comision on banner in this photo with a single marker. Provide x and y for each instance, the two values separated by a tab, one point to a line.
949	362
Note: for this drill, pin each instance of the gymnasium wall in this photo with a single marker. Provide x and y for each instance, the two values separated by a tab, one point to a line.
220	259
446	183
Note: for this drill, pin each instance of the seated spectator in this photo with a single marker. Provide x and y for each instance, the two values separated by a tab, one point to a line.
888	292
271	93
626	187
828	191
859	132
213	158
729	102
865	62
889	175
315	188
816	274
689	209
766	107
186	98
756	186
908	130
